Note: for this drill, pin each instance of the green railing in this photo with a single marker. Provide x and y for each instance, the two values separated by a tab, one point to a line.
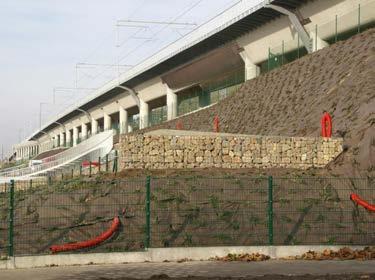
210	92
337	28
191	211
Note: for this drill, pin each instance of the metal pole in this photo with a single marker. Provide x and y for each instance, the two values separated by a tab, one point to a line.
282	53
148	213
270	210
269	57
106	163
11	220
31	183
90	168
298	45
359	18
336	29
99	164
316	37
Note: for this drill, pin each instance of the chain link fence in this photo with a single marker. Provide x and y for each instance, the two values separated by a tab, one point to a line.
185	212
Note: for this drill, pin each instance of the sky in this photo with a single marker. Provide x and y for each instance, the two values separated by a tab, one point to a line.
49	47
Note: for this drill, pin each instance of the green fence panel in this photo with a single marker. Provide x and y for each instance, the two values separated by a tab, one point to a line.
78	210
4	220
11	221
148	213
185	211
319	211
208	211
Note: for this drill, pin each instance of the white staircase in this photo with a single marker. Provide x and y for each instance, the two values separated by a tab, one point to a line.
96	146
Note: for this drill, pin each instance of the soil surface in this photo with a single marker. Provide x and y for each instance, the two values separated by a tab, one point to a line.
289	101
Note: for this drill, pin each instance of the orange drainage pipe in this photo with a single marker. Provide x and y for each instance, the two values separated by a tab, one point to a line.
216	124
326	125
355	198
88	243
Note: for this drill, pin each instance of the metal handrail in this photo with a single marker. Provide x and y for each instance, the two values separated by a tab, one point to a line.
101	143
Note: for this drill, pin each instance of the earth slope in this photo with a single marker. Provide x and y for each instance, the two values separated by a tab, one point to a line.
290	100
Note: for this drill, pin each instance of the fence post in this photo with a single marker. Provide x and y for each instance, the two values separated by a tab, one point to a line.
31	183
49	180
90	168
80	170
106	163
148	212
270	210
11	222
99	164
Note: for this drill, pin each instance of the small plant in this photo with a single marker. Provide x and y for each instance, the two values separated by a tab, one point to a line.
223	237
331	241
285	219
235	225
254	220
320	218
214	201
188	240
284	201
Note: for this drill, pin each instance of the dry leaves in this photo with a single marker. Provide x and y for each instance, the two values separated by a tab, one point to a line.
368	253
254	257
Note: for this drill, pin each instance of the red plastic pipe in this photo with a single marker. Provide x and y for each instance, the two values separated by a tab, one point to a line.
370	207
88	243
87	163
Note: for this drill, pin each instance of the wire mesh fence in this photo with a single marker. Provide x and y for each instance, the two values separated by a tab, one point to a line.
319	211
208	212
186	211
76	211
4	219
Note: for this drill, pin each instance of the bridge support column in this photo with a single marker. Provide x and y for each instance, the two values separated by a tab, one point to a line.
84	131
68	137
62	139
143	114
251	70
123	120
75	136
171	103
94	127
107	122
